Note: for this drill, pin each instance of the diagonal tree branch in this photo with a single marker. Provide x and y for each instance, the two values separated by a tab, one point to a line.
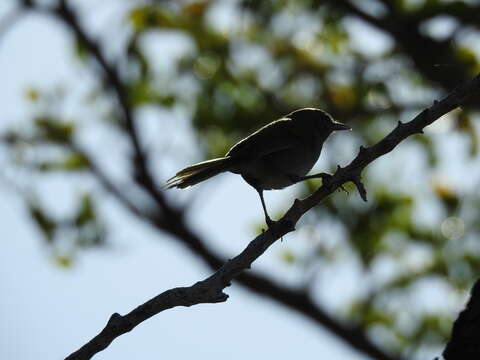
293	299
66	14
211	289
169	219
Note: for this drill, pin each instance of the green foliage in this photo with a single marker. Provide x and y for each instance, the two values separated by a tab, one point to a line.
269	58
73	161
86	212
46	225
288	257
142	93
66	234
32	94
81	49
54	130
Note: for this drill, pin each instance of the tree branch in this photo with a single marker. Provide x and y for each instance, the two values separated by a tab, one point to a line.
202	292
170	219
107	183
66	14
405	29
464	343
211	289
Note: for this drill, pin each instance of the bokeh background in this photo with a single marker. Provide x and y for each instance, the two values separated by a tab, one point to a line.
103	101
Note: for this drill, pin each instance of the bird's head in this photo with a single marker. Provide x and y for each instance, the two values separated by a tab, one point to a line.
317	119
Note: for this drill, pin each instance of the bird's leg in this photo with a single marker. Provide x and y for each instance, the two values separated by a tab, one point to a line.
267	218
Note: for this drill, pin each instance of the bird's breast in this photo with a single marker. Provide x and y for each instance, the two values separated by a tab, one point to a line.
279	169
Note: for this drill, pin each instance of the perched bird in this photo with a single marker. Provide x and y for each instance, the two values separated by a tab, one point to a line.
276	156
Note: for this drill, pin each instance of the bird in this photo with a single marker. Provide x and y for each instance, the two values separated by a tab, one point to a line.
277	155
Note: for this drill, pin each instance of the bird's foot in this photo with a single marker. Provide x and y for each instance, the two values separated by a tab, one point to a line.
269	222
326	177
285	222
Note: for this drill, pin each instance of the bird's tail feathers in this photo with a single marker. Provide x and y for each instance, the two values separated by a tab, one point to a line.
196	173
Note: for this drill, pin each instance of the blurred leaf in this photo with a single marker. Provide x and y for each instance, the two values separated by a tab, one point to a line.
427	144
288	257
73	161
63	261
206	66
32	94
469	57
55	130
465	125
46	224
343	96
141	93
447	195
149	16
81	49
196	9
86	212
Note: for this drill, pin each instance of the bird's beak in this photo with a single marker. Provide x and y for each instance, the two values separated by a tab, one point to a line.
340	126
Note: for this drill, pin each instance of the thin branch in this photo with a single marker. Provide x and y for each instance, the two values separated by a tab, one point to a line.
9	20
65	13
211	289
201	292
404	27
105	181
366	155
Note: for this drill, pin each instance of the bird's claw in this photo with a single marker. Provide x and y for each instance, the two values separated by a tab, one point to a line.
269	222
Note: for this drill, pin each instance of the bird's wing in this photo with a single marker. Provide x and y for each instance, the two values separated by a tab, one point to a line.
278	135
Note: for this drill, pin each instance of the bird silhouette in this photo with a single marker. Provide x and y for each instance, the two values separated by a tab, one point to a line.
277	155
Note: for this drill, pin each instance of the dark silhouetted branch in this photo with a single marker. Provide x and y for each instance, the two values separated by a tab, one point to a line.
211	289
65	13
464	343
405	28
170	219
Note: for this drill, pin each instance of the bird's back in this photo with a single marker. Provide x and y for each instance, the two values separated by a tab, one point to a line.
275	154
275	136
